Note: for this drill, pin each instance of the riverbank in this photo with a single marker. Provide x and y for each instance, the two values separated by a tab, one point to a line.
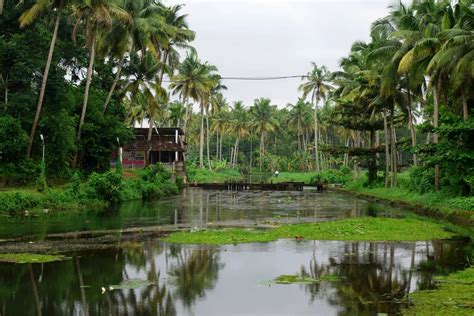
454	295
457	210
98	191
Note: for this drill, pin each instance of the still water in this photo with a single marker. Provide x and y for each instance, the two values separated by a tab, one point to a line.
230	280
199	208
367	278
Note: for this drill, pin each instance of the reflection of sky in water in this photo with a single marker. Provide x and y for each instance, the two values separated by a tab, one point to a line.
241	286
226	280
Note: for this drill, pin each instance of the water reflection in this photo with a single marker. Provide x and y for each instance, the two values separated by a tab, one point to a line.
372	278
199	208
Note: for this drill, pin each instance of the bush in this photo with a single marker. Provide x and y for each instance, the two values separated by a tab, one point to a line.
421	180
105	186
341	176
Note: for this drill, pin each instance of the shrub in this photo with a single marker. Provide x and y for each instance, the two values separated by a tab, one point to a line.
340	176
421	179
105	186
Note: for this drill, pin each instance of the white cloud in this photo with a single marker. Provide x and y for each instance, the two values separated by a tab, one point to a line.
277	37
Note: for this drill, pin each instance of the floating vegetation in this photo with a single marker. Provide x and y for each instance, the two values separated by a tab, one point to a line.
358	229
453	296
30	258
130	284
305	279
291	279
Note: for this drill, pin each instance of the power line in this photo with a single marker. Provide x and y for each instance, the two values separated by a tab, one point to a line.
257	78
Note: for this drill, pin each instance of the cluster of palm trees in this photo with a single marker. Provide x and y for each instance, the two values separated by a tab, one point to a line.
420	58
140	37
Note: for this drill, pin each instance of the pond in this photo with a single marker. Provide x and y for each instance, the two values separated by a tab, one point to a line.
366	279
199	207
149	277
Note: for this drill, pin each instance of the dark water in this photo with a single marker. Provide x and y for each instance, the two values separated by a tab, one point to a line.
230	280
199	208
372	278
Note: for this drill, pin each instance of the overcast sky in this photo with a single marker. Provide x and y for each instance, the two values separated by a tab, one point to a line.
276	38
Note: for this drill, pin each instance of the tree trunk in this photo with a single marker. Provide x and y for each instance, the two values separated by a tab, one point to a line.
151	123
114	84
207	142
236	151
220	146
262	148
465	109
39	105
90	70
435	134
2	2
201	139
394	151
387	151
316	128
217	144
411	127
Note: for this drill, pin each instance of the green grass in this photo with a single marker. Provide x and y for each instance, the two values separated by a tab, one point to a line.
29	258
197	175
359	229
293	177
437	201
454	296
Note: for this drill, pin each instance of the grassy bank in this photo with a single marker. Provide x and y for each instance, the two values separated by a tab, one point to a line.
453	296
197	175
441	204
97	191
359	229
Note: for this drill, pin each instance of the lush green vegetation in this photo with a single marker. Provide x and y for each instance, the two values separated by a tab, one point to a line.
153	182
29	258
360	229
198	175
454	296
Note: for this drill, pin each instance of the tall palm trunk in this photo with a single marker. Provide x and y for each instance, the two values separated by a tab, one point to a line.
2	2
90	70
465	109
236	151
316	129
435	134
220	146
39	105
387	150
207	142
394	151
151	124
114	84
411	127
201	139
262	148
217	144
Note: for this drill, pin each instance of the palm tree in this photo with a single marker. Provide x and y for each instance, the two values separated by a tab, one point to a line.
28	17
95	17
195	80
317	85
176	113
239	126
298	115
263	121
144	73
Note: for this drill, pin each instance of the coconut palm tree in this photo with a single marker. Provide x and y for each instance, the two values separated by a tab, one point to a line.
298	115
263	121
239	126
176	113
317	85
94	17
27	18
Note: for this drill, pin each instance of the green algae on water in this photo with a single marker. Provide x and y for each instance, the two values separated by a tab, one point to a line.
454	296
358	229
304	279
29	258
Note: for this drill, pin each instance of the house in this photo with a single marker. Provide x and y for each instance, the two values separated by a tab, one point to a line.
166	146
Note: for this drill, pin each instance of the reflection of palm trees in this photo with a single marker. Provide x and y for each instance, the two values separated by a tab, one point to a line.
195	274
